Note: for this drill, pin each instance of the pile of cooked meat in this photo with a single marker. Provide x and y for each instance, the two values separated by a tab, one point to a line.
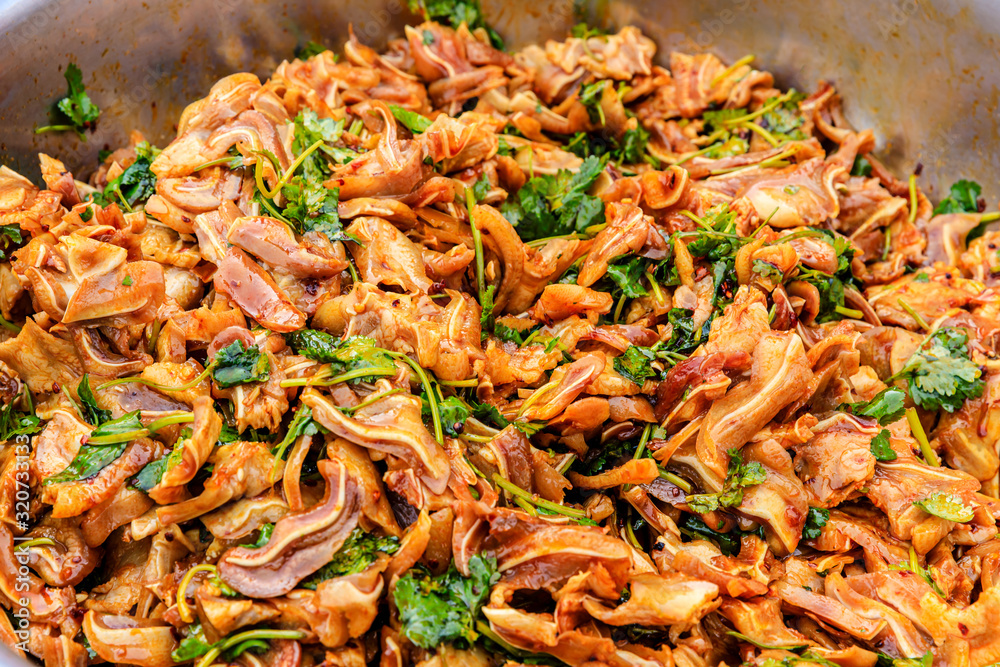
451	355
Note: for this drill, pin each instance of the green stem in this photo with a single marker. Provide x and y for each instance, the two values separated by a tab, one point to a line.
153	427
229	642
630	535
774	161
679	482
153	335
37	542
641	449
431	396
259	171
618	309
336	379
227	160
371	399
656	287
183	610
849	312
526	506
745	60
149	383
471	382
9	325
54	128
566	464
921	322
711	144
918	432
759	112
476	438
913	198
266	203
764	134
477	242
532	498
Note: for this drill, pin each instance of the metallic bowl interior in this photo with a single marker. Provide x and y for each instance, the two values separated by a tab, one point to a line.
925	74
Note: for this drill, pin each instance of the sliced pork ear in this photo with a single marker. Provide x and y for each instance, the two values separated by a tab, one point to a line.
537	554
129	640
273	242
394	168
654	599
302	542
255	292
779	374
391	425
385	256
194	450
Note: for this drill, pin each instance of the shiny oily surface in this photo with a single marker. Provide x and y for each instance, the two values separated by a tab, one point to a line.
454	356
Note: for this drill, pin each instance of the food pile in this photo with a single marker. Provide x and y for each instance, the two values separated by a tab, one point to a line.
454	355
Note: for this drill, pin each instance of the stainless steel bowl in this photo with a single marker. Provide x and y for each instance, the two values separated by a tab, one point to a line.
925	74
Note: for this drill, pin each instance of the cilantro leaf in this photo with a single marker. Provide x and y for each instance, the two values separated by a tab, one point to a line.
358	552
310	49
962	198
236	364
193	645
352	354
815	520
76	107
627	275
136	184
263	537
453	413
443	609
554	205
940	374
455	13
91	411
784	121
152	472
886	406
881	448
14	423
412	120
10	236
738	476
309	205
729	543
635	364
831	287
947	506
92	459
583	31
861	167
302	424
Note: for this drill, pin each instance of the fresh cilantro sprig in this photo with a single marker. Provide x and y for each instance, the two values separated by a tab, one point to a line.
236	364
76	108
940	375
434	610
964	197
887	406
739	476
455	13
555	205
